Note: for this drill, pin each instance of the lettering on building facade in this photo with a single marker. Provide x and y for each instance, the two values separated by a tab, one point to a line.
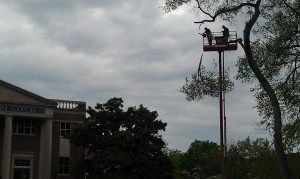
26	109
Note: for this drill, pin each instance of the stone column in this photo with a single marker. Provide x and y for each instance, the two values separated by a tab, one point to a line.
6	155
45	150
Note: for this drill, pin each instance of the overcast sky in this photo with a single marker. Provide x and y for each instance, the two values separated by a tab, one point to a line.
94	50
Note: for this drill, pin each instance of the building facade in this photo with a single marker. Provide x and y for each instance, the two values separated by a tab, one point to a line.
32	145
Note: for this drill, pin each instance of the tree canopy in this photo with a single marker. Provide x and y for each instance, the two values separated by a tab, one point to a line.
123	143
272	59
247	158
252	159
202	159
277	53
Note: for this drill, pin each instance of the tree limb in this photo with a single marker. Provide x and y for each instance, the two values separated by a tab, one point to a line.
221	11
295	70
289	6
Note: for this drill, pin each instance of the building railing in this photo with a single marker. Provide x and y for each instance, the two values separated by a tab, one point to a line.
218	42
219	35
70	105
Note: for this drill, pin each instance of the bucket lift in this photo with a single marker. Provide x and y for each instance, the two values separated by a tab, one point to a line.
218	43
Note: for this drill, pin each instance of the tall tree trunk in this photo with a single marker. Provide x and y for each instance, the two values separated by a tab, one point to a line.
270	92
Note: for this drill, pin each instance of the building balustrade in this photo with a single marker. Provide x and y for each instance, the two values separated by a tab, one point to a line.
69	105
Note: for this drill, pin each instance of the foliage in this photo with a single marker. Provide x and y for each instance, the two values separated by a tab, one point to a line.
279	50
206	83
171	5
244	159
201	160
273	59
123	144
176	156
252	159
257	159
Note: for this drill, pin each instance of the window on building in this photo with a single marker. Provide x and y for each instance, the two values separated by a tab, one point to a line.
65	128
63	166
23	126
21	168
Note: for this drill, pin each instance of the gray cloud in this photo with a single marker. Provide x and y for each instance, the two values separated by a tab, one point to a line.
94	50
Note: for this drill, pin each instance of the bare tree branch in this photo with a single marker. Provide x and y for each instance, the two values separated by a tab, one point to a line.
295	70
292	8
221	11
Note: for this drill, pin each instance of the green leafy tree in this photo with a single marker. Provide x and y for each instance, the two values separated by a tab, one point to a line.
251	159
279	50
176	156
201	160
206	82
273	60
123	144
